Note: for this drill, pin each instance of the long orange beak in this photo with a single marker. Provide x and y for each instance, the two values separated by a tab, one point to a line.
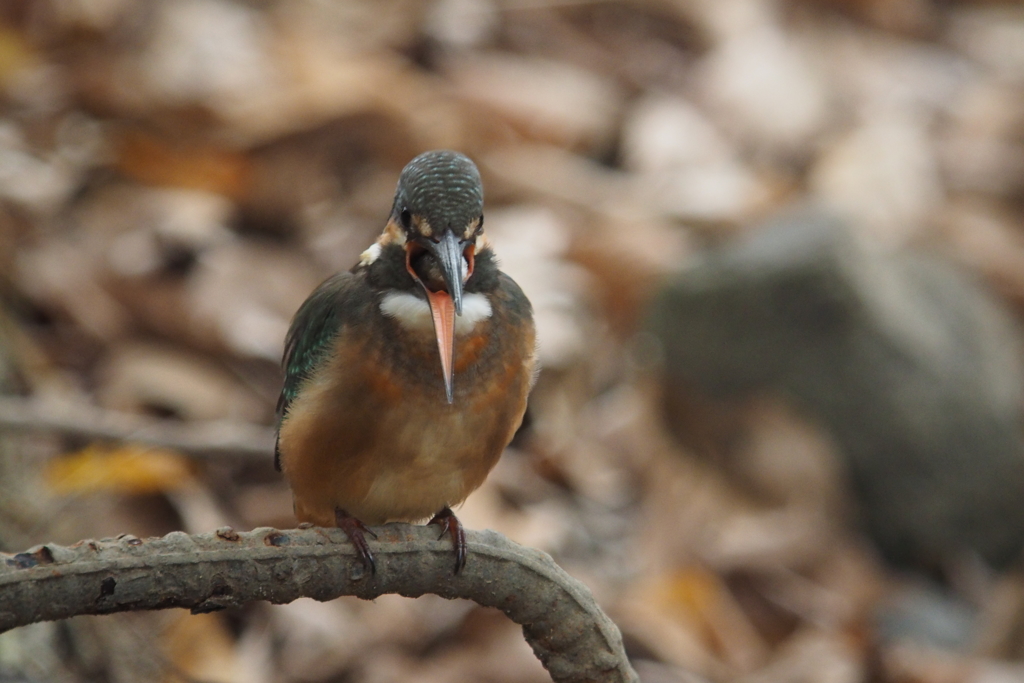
445	305
442	310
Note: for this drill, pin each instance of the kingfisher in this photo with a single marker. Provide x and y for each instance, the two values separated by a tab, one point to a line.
407	376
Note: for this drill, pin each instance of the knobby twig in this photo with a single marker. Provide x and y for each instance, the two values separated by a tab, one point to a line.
210	438
570	634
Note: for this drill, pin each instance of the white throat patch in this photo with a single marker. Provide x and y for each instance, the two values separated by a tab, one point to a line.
413	313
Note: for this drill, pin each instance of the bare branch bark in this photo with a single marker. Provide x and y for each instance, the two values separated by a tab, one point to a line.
570	634
211	438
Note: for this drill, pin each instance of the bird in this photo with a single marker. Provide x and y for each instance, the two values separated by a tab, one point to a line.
408	375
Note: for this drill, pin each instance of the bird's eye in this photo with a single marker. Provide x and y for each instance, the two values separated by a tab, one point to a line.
480	225
406	218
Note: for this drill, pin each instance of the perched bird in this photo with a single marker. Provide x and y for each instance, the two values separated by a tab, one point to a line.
407	376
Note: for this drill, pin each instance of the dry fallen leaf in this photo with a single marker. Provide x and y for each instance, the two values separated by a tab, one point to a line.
160	161
128	469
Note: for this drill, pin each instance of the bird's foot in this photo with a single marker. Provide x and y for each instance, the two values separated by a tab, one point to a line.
355	529
449	523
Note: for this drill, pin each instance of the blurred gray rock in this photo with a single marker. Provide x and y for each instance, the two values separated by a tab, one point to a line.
925	614
913	369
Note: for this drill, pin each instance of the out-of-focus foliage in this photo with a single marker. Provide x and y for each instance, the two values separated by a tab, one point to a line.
177	175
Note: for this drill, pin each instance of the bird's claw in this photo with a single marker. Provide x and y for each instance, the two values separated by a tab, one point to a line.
354	529
449	523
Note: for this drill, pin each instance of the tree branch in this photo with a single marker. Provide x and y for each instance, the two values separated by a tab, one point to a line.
570	634
209	438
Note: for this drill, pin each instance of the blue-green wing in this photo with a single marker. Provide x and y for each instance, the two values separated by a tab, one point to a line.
309	339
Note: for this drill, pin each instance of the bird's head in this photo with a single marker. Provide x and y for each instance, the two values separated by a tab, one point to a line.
437	219
439	205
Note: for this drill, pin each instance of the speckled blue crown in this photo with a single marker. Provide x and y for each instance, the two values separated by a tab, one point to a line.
442	186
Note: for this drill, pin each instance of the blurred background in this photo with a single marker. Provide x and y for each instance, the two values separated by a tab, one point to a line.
776	253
